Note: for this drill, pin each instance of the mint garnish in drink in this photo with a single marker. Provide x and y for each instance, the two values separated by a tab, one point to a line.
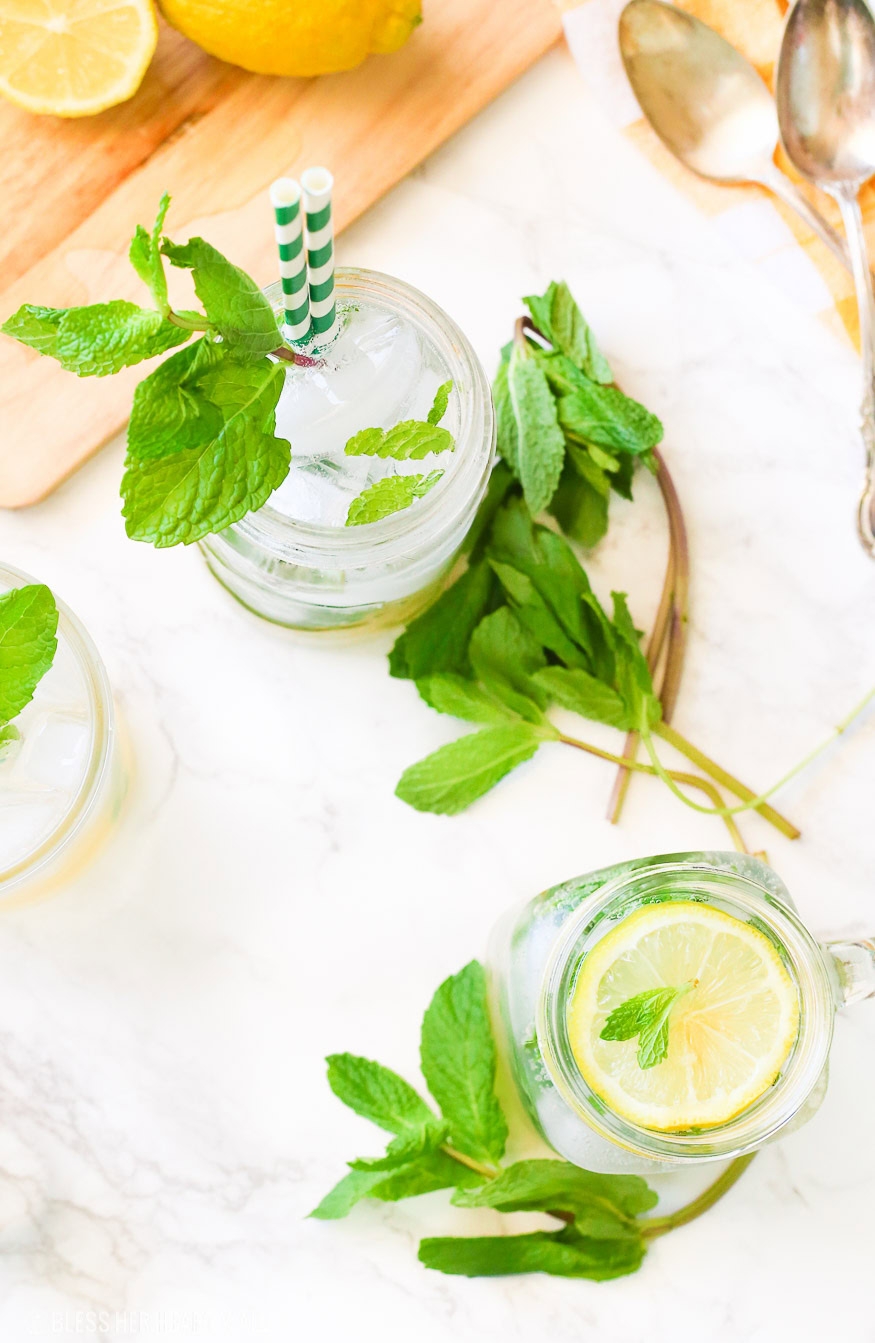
202	444
408	441
646	1015
28	642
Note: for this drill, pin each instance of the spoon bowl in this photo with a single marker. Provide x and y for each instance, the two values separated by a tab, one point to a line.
705	100
708	105
826	91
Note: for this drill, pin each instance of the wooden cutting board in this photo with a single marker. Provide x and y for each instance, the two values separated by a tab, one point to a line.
214	137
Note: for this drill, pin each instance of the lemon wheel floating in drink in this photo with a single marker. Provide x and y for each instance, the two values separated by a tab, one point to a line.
730	1015
669	1011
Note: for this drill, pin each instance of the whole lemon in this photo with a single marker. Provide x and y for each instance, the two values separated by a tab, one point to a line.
294	37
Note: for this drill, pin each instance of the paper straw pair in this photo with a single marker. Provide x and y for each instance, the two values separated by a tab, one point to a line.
306	267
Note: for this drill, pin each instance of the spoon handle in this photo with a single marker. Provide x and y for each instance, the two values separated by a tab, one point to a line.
789	193
853	222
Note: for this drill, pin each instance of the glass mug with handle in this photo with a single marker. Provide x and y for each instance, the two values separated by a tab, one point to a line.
669	1011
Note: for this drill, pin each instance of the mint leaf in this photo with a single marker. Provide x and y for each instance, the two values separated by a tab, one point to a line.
408	1146
458	1060
633	677
377	1093
341	1200
433	1171
96	340
410	439
647	1016
423	1176
580	509
440	403
389	495
606	418
107	337
558	318
551	565
603	1206
35	326
145	256
28	642
453	777
505	657
536	615
507	432
575	689
562	1253
184	495
170	410
437	641
232	300
449	693
541	444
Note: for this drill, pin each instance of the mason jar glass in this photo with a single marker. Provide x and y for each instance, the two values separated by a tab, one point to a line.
536	953
61	780
294	561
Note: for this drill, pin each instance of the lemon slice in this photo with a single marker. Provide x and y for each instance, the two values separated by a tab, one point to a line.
728	1034
70	58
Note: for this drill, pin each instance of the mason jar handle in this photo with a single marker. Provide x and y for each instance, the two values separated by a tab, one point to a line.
854	963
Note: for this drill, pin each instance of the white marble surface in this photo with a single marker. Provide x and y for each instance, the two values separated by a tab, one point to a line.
164	1120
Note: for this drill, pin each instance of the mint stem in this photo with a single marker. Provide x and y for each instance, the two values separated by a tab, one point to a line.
691	780
186	323
722	776
659	1226
669	632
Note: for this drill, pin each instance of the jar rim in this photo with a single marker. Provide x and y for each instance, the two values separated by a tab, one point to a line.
82	803
437	512
776	1107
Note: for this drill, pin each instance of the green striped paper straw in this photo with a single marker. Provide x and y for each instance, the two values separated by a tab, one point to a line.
285	197
318	184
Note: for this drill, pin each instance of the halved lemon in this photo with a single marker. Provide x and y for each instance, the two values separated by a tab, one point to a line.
729	1033
70	58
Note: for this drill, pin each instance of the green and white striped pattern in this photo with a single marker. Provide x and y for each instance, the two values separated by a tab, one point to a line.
318	184
285	197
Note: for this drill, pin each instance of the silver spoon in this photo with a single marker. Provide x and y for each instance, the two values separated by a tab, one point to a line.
708	105
826	108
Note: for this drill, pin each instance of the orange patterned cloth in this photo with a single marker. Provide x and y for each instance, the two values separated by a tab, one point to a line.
754	26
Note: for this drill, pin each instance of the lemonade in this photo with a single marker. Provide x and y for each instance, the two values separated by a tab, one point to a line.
669	1011
59	775
296	561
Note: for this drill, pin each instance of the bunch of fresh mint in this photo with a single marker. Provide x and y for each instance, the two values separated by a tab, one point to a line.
601	1231
28	643
202	443
519	632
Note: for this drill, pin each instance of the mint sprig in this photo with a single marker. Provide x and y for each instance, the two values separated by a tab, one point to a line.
646	1015
602	1232
567	435
28	643
202	446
